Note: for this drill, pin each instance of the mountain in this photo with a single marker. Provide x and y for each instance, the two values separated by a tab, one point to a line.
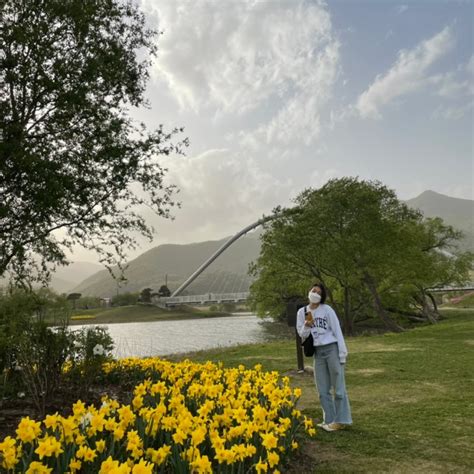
175	263
64	279
454	211
229	272
75	272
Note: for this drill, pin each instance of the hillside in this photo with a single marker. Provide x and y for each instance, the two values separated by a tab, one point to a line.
176	262
454	211
229	272
64	279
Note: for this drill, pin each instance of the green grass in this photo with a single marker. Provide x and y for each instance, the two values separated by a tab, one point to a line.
139	313
412	397
466	302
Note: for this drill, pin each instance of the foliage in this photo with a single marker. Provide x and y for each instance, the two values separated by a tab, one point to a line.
41	354
228	307
375	255
21	311
164	291
33	355
145	295
74	166
125	299
184	417
88	302
73	297
93	347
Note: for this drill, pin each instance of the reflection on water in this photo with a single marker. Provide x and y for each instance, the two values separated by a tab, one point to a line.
170	337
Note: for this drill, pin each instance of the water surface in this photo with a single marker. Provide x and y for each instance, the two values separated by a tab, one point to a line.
171	337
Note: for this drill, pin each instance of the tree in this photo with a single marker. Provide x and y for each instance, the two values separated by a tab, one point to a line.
73	297
125	299
436	263
145	295
369	249
74	166
164	291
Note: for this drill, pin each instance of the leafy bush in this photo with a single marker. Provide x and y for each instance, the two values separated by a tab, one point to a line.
93	347
88	302
41	354
125	299
24	314
228	307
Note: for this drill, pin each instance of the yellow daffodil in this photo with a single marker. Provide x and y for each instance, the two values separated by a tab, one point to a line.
28	430
38	468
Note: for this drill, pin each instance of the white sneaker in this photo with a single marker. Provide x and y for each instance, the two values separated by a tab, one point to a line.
326	427
333	427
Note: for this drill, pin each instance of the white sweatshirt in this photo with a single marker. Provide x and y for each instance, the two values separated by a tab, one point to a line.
326	329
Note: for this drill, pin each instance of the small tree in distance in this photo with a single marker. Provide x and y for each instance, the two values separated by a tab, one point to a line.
73	297
145	295
164	291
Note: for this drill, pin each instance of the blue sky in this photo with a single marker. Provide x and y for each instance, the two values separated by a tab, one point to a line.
277	96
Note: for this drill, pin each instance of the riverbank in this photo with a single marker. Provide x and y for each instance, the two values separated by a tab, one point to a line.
140	314
411	396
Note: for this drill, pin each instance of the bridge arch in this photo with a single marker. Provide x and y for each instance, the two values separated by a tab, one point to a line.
237	236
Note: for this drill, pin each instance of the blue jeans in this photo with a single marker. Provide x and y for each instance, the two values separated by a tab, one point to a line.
329	374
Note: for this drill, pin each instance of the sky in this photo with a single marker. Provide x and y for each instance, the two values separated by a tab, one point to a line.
278	96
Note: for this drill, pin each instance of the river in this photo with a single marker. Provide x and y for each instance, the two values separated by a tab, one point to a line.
171	337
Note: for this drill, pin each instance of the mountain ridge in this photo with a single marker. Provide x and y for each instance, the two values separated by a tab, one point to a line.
175	262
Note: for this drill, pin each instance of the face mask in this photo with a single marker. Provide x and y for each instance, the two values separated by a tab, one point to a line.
314	297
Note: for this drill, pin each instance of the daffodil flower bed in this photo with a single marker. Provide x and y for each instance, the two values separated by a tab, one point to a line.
183	417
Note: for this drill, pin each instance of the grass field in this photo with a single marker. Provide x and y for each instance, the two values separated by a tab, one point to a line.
412	397
138	313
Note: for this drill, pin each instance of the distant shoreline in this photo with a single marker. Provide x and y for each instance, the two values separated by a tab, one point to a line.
143	314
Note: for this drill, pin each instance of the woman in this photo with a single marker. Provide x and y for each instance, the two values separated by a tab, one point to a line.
321	321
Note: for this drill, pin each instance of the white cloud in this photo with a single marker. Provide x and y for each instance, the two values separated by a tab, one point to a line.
455	112
279	59
407	74
221	191
402	9
458	83
457	88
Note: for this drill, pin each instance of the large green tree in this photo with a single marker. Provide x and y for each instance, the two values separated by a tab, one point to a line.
75	168
375	255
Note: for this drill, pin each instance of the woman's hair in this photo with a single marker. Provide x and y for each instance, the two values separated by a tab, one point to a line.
323	291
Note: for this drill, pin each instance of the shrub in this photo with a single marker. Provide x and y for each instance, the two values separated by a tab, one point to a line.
25	314
125	299
93	346
41	354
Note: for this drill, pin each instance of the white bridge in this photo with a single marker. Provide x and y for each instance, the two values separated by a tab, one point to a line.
469	286
207	298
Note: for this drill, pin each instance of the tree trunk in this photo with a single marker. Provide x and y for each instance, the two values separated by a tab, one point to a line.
348	321
430	313
379	309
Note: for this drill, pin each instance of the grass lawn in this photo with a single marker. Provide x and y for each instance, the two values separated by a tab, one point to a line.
412	397
138	313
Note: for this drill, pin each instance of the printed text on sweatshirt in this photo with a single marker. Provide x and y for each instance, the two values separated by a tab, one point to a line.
326	329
